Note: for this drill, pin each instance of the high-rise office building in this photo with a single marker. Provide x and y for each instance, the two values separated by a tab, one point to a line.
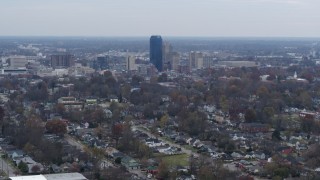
131	63
102	62
195	60
166	50
174	60
156	52
208	61
62	60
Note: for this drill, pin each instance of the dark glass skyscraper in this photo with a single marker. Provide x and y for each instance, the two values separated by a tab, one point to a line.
156	51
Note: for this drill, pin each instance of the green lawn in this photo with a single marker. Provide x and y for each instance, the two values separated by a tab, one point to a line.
190	148
175	160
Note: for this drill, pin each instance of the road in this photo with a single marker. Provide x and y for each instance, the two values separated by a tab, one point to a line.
7	168
184	150
72	141
229	166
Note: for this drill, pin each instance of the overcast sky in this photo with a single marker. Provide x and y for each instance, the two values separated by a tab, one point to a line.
216	18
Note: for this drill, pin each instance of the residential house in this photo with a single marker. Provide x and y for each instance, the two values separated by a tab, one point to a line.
254	127
55	168
151	142
113	98
91	101
130	163
108	113
15	154
110	151
285	150
259	155
30	162
307	115
236	155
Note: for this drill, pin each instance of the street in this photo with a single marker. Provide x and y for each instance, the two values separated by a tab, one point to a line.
72	141
7	168
184	150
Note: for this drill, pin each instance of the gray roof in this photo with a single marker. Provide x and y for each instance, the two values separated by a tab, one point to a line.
65	176
61	176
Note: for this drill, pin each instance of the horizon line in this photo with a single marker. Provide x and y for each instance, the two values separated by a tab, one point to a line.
168	36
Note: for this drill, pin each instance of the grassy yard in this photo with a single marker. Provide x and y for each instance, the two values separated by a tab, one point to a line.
189	147
176	160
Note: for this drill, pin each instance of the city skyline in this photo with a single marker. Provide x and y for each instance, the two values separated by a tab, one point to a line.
208	18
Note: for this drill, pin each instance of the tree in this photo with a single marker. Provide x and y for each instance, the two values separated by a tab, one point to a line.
206	172
2	124
224	103
304	99
98	116
136	80
1	114
23	167
126	90
163	171
35	169
276	135
31	132
97	153
268	111
282	172
267	114
118	160
215	171
250	116
29	148
38	92
114	106
312	156
193	122
309	125
59	108
149	109
163	77
117	130
56	126
163	121
263	92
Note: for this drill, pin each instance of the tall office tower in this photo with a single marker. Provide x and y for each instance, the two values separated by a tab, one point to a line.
173	59
156	52
62	61
102	62
166	50
208	61
18	62
131	63
195	60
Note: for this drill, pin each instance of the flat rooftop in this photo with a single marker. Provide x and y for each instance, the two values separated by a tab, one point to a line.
61	176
